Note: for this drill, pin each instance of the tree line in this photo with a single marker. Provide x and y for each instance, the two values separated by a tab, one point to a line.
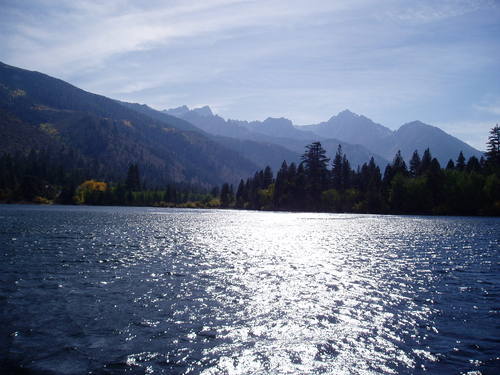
64	177
462	187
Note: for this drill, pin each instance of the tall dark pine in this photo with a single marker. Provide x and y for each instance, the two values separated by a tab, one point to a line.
280	185
399	165
226	195
300	186
473	165
346	173
267	177
460	165
415	164
315	165
425	163
493	147
337	169
240	195
373	186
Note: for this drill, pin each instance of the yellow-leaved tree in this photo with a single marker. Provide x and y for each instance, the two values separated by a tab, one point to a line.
88	190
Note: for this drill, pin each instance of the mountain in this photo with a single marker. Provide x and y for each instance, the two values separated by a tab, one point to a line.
418	136
42	112
160	116
280	128
279	132
16	134
357	129
261	153
178	112
213	124
258	151
351	128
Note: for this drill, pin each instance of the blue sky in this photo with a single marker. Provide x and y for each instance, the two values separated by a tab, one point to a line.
392	61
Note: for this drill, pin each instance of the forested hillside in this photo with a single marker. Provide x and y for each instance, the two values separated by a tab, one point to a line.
43	113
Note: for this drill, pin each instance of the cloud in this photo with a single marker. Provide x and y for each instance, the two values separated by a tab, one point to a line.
83	35
427	12
252	59
490	105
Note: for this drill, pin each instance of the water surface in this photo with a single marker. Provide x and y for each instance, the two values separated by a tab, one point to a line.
168	291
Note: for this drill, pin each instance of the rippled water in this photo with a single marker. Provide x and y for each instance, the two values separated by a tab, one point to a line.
147	291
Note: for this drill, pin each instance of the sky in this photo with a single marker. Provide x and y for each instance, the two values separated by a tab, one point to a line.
392	61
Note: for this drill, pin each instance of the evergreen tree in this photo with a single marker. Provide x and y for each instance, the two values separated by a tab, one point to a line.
267	177
435	179
370	182
315	165
425	163
415	164
280	186
493	148
346	173
225	195
473	165
337	169
399	165
300	190
460	164
240	195
450	165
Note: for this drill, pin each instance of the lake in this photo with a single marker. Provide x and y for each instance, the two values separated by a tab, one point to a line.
112	290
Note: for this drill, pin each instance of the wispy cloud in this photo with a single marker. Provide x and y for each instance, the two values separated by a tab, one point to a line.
429	12
85	34
489	105
252	59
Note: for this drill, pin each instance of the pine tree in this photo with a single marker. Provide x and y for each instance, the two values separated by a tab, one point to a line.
240	195
315	165
225	195
337	169
425	163
267	177
415	164
346	173
399	165
280	185
473	165
460	165
493	147
435	178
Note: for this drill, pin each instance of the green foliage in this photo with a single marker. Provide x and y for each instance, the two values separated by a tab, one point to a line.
468	189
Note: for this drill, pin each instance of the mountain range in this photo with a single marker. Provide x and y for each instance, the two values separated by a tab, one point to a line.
359	136
187	145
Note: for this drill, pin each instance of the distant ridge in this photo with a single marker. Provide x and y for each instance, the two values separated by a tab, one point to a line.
350	127
278	131
347	128
416	135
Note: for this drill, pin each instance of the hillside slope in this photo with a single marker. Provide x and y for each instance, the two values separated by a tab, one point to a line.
53	113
